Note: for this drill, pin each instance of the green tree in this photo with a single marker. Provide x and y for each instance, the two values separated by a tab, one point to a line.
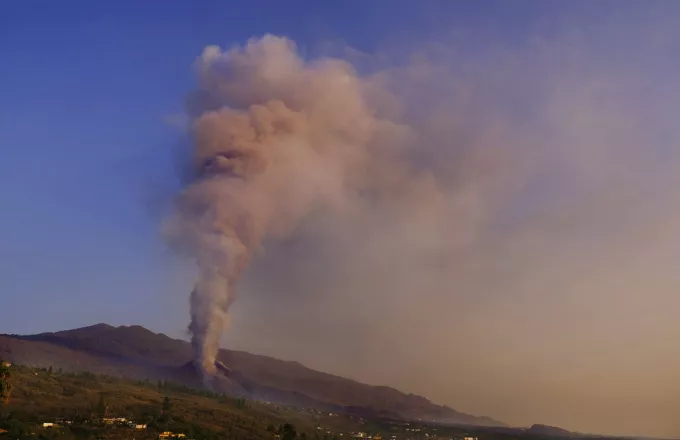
288	432
5	383
102	407
16	428
166	405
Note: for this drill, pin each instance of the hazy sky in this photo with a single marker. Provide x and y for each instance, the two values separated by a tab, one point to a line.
545	293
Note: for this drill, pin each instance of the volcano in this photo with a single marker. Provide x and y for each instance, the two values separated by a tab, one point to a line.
224	381
138	353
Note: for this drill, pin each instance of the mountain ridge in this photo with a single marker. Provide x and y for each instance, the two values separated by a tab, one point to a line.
134	351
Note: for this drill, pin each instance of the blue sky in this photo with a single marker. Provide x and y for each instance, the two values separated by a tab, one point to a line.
87	154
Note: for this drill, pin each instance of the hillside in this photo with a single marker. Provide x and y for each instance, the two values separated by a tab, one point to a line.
82	399
136	352
552	431
78	401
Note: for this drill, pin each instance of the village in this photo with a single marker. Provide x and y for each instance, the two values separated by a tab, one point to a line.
114	422
400	430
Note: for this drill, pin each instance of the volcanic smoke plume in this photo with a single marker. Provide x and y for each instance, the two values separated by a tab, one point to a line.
276	139
452	204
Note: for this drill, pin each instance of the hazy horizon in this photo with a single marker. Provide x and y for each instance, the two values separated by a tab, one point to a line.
186	338
516	258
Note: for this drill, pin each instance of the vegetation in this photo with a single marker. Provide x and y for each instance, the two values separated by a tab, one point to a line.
84	399
5	382
288	432
78	403
122	350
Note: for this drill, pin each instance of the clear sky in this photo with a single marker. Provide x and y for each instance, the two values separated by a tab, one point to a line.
562	311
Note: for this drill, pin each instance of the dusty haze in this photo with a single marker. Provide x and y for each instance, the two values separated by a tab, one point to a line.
496	230
278	140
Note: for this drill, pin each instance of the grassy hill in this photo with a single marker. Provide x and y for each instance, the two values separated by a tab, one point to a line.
47	395
135	352
42	395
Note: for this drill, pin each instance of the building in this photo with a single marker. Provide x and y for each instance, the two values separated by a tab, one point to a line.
112	420
170	434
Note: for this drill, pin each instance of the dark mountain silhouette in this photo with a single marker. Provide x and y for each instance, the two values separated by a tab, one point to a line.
551	431
133	351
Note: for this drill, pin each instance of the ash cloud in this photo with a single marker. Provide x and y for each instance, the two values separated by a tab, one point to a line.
278	140
493	230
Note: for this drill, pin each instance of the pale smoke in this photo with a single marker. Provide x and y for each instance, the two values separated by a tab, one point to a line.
545	298
497	223
277	138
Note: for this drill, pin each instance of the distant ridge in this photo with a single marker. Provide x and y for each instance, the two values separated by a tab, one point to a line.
551	431
136	352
